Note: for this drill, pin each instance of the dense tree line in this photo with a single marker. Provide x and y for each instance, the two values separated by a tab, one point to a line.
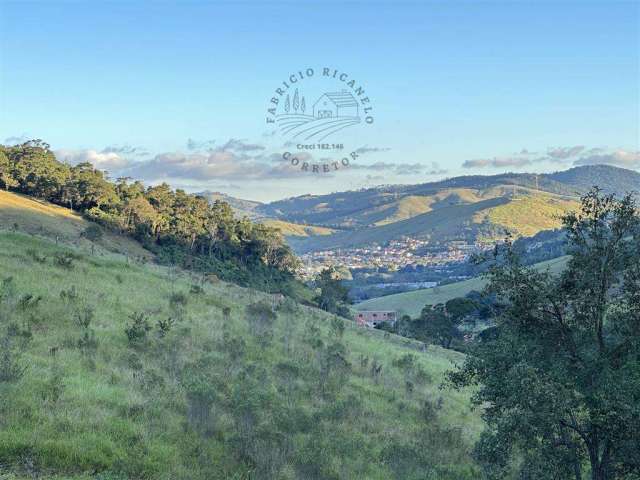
181	228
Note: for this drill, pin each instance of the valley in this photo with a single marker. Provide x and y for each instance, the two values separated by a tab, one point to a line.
430	230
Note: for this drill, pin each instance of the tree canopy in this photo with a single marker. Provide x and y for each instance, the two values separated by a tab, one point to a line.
181	228
559	380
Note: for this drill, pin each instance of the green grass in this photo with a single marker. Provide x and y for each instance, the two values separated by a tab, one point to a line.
529	214
214	398
27	214
412	303
289	229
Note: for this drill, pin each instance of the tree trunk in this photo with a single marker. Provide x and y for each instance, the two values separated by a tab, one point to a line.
599	461
577	467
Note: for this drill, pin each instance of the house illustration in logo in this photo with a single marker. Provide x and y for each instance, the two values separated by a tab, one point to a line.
336	104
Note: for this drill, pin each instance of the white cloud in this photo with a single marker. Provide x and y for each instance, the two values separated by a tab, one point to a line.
564	153
218	164
498	162
104	160
578	155
619	158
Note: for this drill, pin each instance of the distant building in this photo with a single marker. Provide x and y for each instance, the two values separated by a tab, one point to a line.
336	104
373	319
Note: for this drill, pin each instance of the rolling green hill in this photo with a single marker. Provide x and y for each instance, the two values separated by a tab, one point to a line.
462	208
114	370
411	303
525	214
289	229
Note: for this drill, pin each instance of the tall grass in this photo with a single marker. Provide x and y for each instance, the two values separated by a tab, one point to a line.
225	382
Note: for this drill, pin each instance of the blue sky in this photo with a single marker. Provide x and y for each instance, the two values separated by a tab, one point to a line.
456	87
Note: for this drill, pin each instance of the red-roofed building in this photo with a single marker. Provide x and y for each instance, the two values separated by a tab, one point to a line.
374	318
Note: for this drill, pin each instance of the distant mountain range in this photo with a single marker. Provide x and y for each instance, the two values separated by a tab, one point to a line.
467	208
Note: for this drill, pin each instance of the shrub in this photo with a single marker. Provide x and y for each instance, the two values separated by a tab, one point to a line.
93	232
69	296
337	327
406	362
63	260
260	317
88	343
84	316
53	387
164	326
177	300
28	302
137	330
35	256
10	368
7	290
22	333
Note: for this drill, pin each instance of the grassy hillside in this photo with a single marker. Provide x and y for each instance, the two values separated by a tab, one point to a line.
289	229
411	303
26	214
359	208
453	218
369	206
113	370
529	214
477	207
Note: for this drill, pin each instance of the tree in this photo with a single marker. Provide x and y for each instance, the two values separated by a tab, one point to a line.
560	376
460	308
439	325
179	227
333	295
6	176
93	232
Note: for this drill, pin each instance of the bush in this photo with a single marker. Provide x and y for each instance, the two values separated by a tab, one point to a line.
28	302
260	317
137	330
10	368
337	327
84	317
93	232
63	260
164	326
69	296
35	256
178	299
